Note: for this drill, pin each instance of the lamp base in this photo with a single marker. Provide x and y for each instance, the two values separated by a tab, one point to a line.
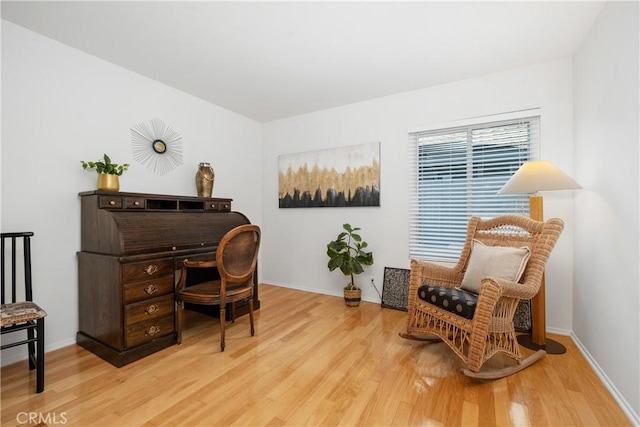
550	346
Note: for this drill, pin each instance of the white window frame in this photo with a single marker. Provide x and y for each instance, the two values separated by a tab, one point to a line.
440	238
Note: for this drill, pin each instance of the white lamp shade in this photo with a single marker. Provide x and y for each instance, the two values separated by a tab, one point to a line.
538	175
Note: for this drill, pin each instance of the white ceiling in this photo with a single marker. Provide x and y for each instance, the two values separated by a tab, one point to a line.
272	60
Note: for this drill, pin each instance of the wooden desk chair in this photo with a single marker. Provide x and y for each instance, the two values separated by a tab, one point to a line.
471	306
21	313
236	260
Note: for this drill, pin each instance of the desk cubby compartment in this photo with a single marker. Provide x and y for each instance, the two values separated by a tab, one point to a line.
190	205
163	205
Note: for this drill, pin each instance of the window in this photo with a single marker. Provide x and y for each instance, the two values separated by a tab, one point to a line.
456	173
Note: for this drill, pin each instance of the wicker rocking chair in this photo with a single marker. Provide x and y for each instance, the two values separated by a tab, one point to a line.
442	304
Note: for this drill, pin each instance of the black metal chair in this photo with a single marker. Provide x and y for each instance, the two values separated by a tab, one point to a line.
20	313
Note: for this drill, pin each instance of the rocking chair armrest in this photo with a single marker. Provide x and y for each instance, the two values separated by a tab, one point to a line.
510	289
425	271
437	274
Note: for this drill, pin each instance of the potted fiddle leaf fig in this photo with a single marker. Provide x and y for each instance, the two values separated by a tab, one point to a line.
108	172
347	253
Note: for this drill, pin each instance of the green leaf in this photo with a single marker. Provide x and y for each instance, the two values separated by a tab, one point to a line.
333	264
357	268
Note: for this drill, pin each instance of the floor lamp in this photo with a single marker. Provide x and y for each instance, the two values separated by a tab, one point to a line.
532	177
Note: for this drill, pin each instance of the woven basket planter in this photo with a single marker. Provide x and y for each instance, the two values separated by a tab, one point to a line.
352	297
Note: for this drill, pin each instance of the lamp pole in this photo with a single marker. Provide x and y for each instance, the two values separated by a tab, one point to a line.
538	338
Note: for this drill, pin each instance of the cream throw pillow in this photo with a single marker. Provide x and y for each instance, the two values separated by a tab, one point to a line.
493	261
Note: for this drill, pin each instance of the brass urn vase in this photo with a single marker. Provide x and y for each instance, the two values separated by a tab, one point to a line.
108	182
204	180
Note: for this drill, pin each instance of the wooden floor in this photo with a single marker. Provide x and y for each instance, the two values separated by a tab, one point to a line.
313	361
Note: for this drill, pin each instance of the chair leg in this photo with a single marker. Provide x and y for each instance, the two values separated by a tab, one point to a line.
222	324
40	360
233	312
253	331
31	348
179	314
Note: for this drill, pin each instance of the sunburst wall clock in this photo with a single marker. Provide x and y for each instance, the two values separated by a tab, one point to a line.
157	146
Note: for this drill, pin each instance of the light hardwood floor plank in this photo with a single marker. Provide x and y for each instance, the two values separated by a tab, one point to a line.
312	362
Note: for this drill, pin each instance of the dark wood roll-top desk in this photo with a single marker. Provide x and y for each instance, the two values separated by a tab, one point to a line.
132	246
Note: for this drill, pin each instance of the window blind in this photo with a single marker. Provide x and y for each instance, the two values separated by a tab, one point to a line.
456	173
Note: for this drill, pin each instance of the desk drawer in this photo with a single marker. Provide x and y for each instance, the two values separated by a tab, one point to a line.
149	289
148	330
148	309
134	203
113	202
146	270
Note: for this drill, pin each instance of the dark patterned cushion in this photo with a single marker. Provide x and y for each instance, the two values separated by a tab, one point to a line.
20	312
455	301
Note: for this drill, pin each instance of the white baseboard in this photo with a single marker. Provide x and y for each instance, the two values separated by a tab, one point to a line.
565	332
319	291
624	405
20	352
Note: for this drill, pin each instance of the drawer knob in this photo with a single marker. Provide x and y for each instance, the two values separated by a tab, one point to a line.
112	202
153	330
151	309
151	289
136	203
173	248
151	269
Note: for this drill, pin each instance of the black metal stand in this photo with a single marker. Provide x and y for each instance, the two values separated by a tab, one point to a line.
550	346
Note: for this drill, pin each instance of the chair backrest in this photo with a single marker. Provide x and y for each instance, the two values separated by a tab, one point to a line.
237	253
16	293
515	231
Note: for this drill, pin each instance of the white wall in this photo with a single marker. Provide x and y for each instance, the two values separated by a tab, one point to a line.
606	125
60	106
294	251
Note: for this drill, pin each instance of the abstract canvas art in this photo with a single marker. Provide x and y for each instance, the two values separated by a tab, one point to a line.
339	177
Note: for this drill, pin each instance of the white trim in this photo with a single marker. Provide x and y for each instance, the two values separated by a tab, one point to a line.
557	331
520	114
617	396
23	355
375	299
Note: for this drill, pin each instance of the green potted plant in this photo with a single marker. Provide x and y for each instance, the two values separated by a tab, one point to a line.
347	253
108	172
